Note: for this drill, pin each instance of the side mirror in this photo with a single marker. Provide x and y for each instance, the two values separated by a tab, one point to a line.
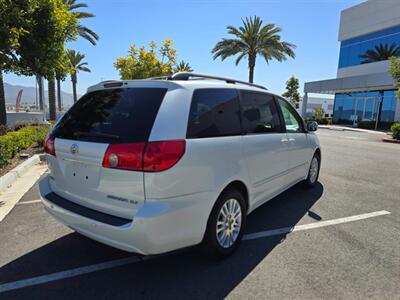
312	126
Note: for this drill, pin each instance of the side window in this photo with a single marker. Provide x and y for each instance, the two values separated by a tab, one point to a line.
213	113
293	121
259	113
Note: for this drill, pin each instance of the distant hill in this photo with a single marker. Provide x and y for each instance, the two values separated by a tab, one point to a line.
29	94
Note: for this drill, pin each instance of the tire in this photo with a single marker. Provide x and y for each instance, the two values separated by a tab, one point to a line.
313	171
213	245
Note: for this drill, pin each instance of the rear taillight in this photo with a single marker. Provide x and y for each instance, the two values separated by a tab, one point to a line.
49	145
160	156
124	156
147	157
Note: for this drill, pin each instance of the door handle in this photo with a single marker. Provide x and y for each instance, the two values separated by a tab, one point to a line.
292	140
284	140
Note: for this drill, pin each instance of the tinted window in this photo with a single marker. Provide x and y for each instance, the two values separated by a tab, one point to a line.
293	122
214	112
112	116
259	113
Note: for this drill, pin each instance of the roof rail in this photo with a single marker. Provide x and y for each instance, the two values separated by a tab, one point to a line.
161	77
188	75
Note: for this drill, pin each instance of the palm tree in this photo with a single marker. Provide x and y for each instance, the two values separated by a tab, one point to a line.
252	39
380	52
83	32
77	65
183	66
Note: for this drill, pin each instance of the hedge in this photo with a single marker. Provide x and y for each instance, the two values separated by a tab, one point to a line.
324	121
14	141
371	125
395	129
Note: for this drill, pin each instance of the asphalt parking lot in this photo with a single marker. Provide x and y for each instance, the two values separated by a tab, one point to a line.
339	240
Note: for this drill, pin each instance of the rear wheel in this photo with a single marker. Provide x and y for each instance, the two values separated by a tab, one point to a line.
313	172
225	225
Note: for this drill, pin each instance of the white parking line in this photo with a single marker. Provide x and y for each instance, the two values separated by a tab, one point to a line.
66	274
5	287
354	138
29	202
319	224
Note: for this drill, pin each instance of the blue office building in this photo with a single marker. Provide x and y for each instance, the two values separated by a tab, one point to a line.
363	88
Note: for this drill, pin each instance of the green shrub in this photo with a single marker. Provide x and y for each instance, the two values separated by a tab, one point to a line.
366	124
342	122
371	125
324	121
395	129
15	141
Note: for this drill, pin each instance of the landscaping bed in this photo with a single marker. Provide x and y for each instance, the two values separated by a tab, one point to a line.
16	160
28	139
388	140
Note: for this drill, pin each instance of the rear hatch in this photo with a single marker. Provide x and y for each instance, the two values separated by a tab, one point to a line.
100	120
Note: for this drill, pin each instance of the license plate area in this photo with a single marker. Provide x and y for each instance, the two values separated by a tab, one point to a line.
82	174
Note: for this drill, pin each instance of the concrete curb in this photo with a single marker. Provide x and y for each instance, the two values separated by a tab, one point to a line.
8	179
393	141
351	129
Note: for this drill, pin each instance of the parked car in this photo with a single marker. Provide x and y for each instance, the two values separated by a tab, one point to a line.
151	166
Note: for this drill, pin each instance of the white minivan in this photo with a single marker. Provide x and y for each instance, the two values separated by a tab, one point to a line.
150	166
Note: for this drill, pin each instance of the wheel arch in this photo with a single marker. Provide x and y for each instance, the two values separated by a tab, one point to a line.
318	151
241	187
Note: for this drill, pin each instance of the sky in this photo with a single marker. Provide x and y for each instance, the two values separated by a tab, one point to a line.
196	26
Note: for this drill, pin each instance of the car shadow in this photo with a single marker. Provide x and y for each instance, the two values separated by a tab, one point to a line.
181	275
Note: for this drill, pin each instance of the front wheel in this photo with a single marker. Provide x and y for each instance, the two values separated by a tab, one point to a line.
313	172
225	225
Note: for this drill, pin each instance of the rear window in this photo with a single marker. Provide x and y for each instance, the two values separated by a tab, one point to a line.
112	116
213	113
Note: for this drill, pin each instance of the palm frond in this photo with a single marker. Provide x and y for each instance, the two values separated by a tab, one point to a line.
380	52
240	57
71	4
84	69
228	47
83	31
88	34
82	14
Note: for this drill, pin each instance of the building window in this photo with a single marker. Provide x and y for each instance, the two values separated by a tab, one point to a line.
352	49
364	105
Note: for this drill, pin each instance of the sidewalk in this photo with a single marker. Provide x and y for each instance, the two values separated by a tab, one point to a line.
17	182
348	128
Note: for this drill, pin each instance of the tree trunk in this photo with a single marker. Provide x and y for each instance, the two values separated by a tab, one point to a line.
52	98
3	113
252	64
41	92
74	79
59	102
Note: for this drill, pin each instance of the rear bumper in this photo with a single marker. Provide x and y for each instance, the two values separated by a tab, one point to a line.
160	226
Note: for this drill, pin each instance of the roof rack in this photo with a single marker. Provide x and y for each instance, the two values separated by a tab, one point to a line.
188	75
161	77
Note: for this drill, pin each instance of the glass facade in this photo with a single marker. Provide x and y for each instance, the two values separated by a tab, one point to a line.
365	106
351	49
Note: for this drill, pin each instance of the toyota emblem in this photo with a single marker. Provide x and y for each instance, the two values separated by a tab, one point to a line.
74	149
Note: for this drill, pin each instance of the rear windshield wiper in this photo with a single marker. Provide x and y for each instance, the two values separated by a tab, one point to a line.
96	134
